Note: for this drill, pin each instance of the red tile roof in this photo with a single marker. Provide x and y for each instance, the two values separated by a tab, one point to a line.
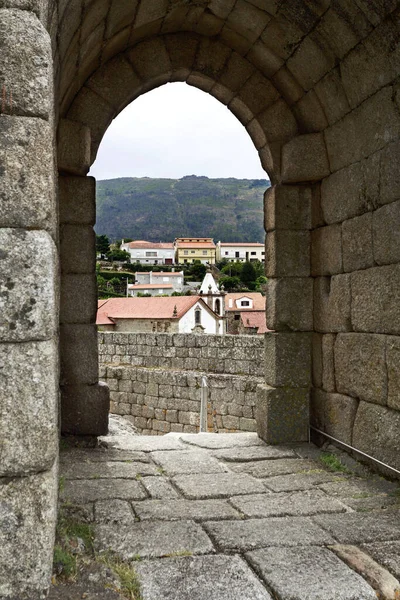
148	308
255	320
188	245
166	274
258	301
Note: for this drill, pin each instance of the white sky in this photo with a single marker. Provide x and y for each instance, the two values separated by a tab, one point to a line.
173	131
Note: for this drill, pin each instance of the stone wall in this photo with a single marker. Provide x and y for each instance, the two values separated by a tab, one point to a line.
155	379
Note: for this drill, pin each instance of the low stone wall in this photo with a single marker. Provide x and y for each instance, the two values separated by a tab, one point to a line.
155	379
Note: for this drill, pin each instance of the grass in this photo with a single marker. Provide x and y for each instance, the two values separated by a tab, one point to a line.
65	558
130	586
332	462
64	562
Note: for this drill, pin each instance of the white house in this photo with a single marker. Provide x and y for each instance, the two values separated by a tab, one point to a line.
150	253
178	314
161	278
240	252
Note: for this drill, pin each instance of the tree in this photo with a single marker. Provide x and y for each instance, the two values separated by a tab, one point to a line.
230	283
248	274
259	268
198	270
102	245
233	269
120	255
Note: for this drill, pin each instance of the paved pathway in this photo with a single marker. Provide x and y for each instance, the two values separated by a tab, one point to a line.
226	517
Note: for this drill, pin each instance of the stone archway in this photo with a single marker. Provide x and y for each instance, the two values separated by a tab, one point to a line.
327	130
221	71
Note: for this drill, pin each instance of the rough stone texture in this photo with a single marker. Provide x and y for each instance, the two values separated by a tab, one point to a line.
376	300
84	409
360	369
355	528
190	462
73	147
222	485
114	512
376	432
77	244
311	573
287	207
89	490
305	159
77	200
78	354
358	248
386	554
28	518
393	371
282	414
216	441
328	367
290	304
386	233
332	302
26	65
219	578
151	539
287	253
381	580
27	285
28	407
298	504
143	443
108	470
299	481
200	510
27	189
274	531
78	299
335	414
288	359
159	488
269	468
326	251
254	453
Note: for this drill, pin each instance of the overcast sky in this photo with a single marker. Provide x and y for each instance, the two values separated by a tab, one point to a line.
173	131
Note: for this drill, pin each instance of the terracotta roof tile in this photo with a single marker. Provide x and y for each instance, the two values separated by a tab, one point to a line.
255	320
148	308
258	301
150	286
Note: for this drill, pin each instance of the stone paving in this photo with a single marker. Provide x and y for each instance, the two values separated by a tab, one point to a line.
226	517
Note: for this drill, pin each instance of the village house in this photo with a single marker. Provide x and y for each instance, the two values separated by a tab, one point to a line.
178	314
245	311
156	283
188	250
150	253
240	252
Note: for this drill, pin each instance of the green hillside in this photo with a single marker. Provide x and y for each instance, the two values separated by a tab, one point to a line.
163	209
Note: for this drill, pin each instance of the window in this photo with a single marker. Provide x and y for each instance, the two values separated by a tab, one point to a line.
245	303
253	253
218	306
226	253
186	252
197	316
262	253
204	251
150	253
193	251
237	317
237	255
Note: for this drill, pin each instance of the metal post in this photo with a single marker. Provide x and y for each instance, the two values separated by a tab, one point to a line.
203	404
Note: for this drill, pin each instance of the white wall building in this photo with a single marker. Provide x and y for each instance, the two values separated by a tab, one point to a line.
175	279
240	252
150	253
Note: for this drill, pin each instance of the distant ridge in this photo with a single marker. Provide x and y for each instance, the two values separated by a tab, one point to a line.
162	209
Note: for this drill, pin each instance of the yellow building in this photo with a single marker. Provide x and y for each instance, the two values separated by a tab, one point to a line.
190	249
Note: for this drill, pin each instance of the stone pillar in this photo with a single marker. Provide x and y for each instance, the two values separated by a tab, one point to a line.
84	401
283	402
28	307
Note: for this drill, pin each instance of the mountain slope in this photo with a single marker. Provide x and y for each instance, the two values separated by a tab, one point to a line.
162	209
